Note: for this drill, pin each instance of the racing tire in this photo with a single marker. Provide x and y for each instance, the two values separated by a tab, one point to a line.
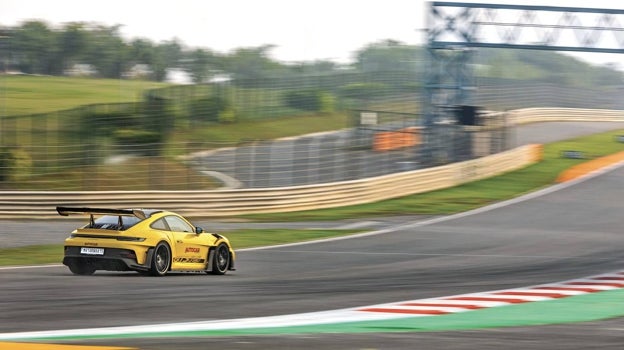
161	260
221	260
82	270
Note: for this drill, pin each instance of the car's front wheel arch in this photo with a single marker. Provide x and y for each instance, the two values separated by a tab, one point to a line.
221	258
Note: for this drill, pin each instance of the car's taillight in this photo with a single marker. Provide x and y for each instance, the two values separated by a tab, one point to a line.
128	255
130	239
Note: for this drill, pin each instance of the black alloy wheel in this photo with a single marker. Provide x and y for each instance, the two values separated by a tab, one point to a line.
221	259
161	260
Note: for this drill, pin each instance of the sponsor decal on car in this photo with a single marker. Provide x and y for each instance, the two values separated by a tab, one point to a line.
190	260
192	250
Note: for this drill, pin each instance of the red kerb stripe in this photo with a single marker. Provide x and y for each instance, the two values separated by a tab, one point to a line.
614	278
460	306
618	285
534	294
504	300
572	289
405	311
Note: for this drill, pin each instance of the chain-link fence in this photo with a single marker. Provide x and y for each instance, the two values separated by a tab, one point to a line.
504	94
361	152
382	143
130	146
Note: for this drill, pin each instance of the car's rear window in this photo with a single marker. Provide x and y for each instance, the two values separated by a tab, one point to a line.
110	222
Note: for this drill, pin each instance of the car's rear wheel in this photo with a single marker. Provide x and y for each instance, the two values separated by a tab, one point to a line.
221	259
81	269
161	260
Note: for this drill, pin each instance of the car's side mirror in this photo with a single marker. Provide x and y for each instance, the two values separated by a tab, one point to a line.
199	230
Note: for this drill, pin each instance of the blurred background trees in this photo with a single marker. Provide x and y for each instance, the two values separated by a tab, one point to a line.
90	49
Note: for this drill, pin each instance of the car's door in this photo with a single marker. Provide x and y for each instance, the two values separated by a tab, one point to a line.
188	245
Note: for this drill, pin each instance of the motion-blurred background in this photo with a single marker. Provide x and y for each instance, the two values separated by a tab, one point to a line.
115	96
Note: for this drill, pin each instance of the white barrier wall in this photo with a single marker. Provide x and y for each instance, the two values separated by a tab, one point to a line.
538	115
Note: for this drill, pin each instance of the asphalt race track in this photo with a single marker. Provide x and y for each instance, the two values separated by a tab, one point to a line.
567	234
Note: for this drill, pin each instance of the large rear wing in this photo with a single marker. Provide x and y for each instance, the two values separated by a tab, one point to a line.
66	211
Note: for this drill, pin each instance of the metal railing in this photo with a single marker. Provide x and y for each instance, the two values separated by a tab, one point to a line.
220	203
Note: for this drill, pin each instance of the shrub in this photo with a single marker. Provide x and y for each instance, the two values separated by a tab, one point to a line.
138	141
158	115
310	100
208	109
15	163
227	116
327	102
363	90
105	118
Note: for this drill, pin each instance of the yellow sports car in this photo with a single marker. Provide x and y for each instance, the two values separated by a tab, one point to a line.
143	240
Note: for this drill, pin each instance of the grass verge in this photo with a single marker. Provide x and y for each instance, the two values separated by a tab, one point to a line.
31	255
44	94
147	173
211	136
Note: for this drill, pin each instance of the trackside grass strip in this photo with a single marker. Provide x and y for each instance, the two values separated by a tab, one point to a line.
32	255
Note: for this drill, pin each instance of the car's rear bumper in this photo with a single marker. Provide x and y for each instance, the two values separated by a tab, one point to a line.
114	259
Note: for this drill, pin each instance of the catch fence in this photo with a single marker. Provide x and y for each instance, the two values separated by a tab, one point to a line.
130	146
384	143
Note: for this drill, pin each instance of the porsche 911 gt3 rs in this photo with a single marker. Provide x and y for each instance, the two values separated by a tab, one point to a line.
143	240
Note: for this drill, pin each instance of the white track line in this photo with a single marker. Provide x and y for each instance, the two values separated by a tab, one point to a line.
29	267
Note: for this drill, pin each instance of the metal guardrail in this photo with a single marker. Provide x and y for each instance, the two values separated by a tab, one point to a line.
220	203
536	115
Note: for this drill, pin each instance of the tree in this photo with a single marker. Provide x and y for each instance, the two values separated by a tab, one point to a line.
5	52
319	66
388	55
197	65
166	55
139	59
106	51
250	63
141	51
73	43
34	45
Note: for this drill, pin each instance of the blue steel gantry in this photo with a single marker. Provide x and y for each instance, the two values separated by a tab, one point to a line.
456	29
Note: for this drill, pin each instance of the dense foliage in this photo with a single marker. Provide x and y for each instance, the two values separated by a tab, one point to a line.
34	47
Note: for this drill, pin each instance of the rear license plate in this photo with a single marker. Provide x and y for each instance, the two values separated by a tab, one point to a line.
92	251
